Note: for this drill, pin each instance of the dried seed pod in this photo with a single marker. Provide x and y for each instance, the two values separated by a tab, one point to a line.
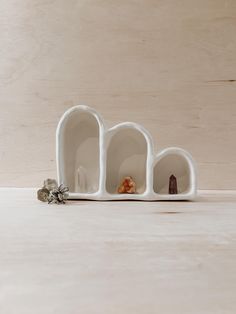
127	186
43	194
58	195
50	184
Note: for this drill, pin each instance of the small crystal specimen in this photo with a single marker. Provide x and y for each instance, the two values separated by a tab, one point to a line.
81	180
173	185
50	184
58	195
43	194
127	186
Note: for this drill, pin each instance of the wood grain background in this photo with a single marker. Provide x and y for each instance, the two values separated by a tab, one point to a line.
169	65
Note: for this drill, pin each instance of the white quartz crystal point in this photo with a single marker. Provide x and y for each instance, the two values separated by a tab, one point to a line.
81	180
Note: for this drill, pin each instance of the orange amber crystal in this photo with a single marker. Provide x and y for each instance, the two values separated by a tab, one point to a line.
127	186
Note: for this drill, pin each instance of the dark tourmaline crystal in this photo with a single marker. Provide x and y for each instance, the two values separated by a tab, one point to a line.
173	185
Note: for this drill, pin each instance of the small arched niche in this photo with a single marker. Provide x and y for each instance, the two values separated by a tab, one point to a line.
126	156
79	151
171	164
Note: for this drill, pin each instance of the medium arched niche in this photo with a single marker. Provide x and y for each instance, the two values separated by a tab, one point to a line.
126	156
172	162
78	140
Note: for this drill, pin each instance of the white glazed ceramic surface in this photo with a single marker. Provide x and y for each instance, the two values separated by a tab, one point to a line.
92	160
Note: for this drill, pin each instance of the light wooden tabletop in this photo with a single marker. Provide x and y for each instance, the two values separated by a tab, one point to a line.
117	257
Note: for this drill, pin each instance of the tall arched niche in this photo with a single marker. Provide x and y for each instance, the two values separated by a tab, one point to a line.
126	156
78	149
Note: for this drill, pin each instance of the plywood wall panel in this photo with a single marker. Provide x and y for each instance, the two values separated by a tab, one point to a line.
169	65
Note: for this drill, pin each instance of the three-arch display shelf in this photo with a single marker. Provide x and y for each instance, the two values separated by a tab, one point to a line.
92	160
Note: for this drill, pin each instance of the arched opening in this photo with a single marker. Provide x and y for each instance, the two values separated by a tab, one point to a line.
126	156
79	140
171	164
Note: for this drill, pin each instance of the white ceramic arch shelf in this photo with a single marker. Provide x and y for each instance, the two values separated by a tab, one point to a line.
92	160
